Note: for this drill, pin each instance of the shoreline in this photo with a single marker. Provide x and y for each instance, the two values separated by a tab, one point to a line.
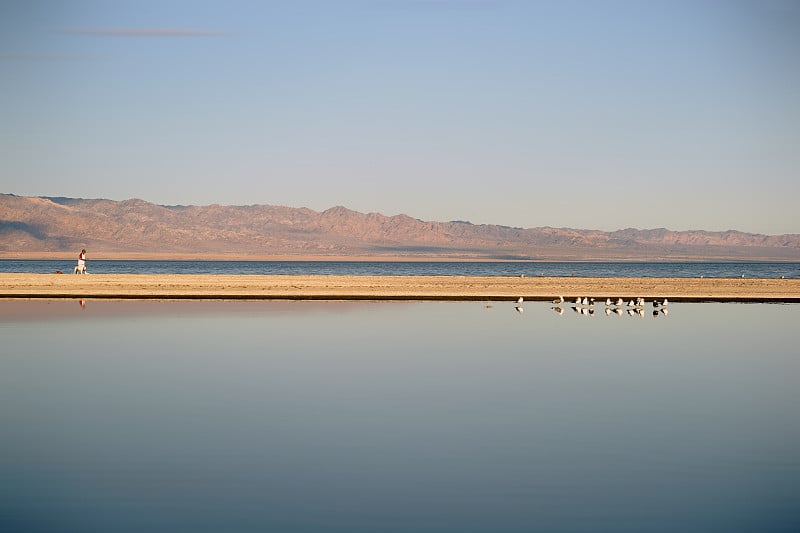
332	287
389	258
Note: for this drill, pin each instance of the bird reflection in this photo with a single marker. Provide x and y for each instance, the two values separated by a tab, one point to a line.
633	307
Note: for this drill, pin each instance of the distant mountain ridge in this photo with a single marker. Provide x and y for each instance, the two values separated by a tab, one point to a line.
57	224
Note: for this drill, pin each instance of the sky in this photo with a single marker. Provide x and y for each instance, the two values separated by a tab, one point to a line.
585	114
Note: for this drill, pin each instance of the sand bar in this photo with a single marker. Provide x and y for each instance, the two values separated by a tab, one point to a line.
322	287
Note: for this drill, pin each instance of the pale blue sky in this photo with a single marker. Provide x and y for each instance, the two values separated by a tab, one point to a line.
587	114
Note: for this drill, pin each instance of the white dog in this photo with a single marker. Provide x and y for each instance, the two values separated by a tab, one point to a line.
80	269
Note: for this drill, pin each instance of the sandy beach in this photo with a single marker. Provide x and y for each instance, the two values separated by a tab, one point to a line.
256	287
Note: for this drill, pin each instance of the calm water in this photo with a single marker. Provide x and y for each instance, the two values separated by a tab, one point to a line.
435	268
433	416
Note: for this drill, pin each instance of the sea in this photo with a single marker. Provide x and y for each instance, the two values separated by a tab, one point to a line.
635	269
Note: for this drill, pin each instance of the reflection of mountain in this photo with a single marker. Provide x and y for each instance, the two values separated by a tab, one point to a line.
135	226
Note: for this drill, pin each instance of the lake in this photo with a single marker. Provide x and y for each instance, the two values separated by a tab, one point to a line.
383	416
591	269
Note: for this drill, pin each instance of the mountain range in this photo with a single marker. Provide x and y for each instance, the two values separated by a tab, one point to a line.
48	225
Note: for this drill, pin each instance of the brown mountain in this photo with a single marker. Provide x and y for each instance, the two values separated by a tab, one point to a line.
46	225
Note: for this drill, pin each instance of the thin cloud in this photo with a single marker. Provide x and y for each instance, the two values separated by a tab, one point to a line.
143	32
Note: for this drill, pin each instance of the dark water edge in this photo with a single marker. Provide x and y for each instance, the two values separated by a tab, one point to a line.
762	270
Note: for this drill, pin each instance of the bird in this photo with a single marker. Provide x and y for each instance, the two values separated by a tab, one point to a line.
559	300
519	300
591	301
585	301
630	303
577	300
608	302
655	303
620	303
665	302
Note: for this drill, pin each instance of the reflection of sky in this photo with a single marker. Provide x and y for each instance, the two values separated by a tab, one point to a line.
414	416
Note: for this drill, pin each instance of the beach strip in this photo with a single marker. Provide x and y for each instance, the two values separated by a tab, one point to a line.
331	287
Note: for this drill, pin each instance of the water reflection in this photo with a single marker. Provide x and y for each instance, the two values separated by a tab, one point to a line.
365	416
586	307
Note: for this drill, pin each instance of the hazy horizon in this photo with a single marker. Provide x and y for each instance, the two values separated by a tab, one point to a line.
591	115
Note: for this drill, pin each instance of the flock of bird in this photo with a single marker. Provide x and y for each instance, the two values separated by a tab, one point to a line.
585	306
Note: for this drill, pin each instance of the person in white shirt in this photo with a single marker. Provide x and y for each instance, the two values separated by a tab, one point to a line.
81	268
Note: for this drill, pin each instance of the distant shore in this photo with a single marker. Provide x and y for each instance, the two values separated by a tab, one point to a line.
303	287
69	257
173	256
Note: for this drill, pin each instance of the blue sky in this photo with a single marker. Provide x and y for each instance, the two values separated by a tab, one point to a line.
586	114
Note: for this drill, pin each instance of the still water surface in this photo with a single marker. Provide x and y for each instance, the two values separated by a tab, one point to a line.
368	416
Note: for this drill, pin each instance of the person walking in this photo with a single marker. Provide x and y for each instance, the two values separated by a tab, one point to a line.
81	268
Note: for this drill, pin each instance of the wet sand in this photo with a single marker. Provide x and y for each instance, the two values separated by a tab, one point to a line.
274	287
